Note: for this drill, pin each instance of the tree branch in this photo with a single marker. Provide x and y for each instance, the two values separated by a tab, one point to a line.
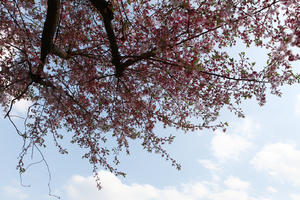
17	98
225	23
59	52
106	11
210	73
67	55
50	25
143	56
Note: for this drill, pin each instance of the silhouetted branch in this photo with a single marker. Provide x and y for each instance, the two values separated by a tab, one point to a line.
49	30
210	73
105	10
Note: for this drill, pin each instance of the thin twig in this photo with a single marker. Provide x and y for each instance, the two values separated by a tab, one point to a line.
209	73
17	98
49	173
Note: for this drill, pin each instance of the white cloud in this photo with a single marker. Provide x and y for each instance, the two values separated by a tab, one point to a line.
230	145
227	147
82	188
236	183
271	189
232	195
247	128
280	160
14	192
210	165
22	106
295	196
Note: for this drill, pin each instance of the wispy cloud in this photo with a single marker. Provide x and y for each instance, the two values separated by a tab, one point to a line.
295	196
14	192
230	145
271	189
22	106
280	160
210	165
236	183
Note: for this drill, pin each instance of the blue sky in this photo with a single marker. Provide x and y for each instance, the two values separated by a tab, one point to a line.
258	158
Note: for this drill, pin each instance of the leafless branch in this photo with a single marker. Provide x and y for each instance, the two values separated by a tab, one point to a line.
209	73
17	98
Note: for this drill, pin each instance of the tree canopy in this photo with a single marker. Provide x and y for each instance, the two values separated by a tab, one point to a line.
106	70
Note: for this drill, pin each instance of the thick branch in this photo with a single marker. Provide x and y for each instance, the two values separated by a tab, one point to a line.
60	52
143	56
67	55
105	10
50	25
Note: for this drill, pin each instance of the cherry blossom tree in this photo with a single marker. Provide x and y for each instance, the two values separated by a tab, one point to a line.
109	71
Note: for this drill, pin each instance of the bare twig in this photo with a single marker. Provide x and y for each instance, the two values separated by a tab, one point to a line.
49	173
209	73
17	98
